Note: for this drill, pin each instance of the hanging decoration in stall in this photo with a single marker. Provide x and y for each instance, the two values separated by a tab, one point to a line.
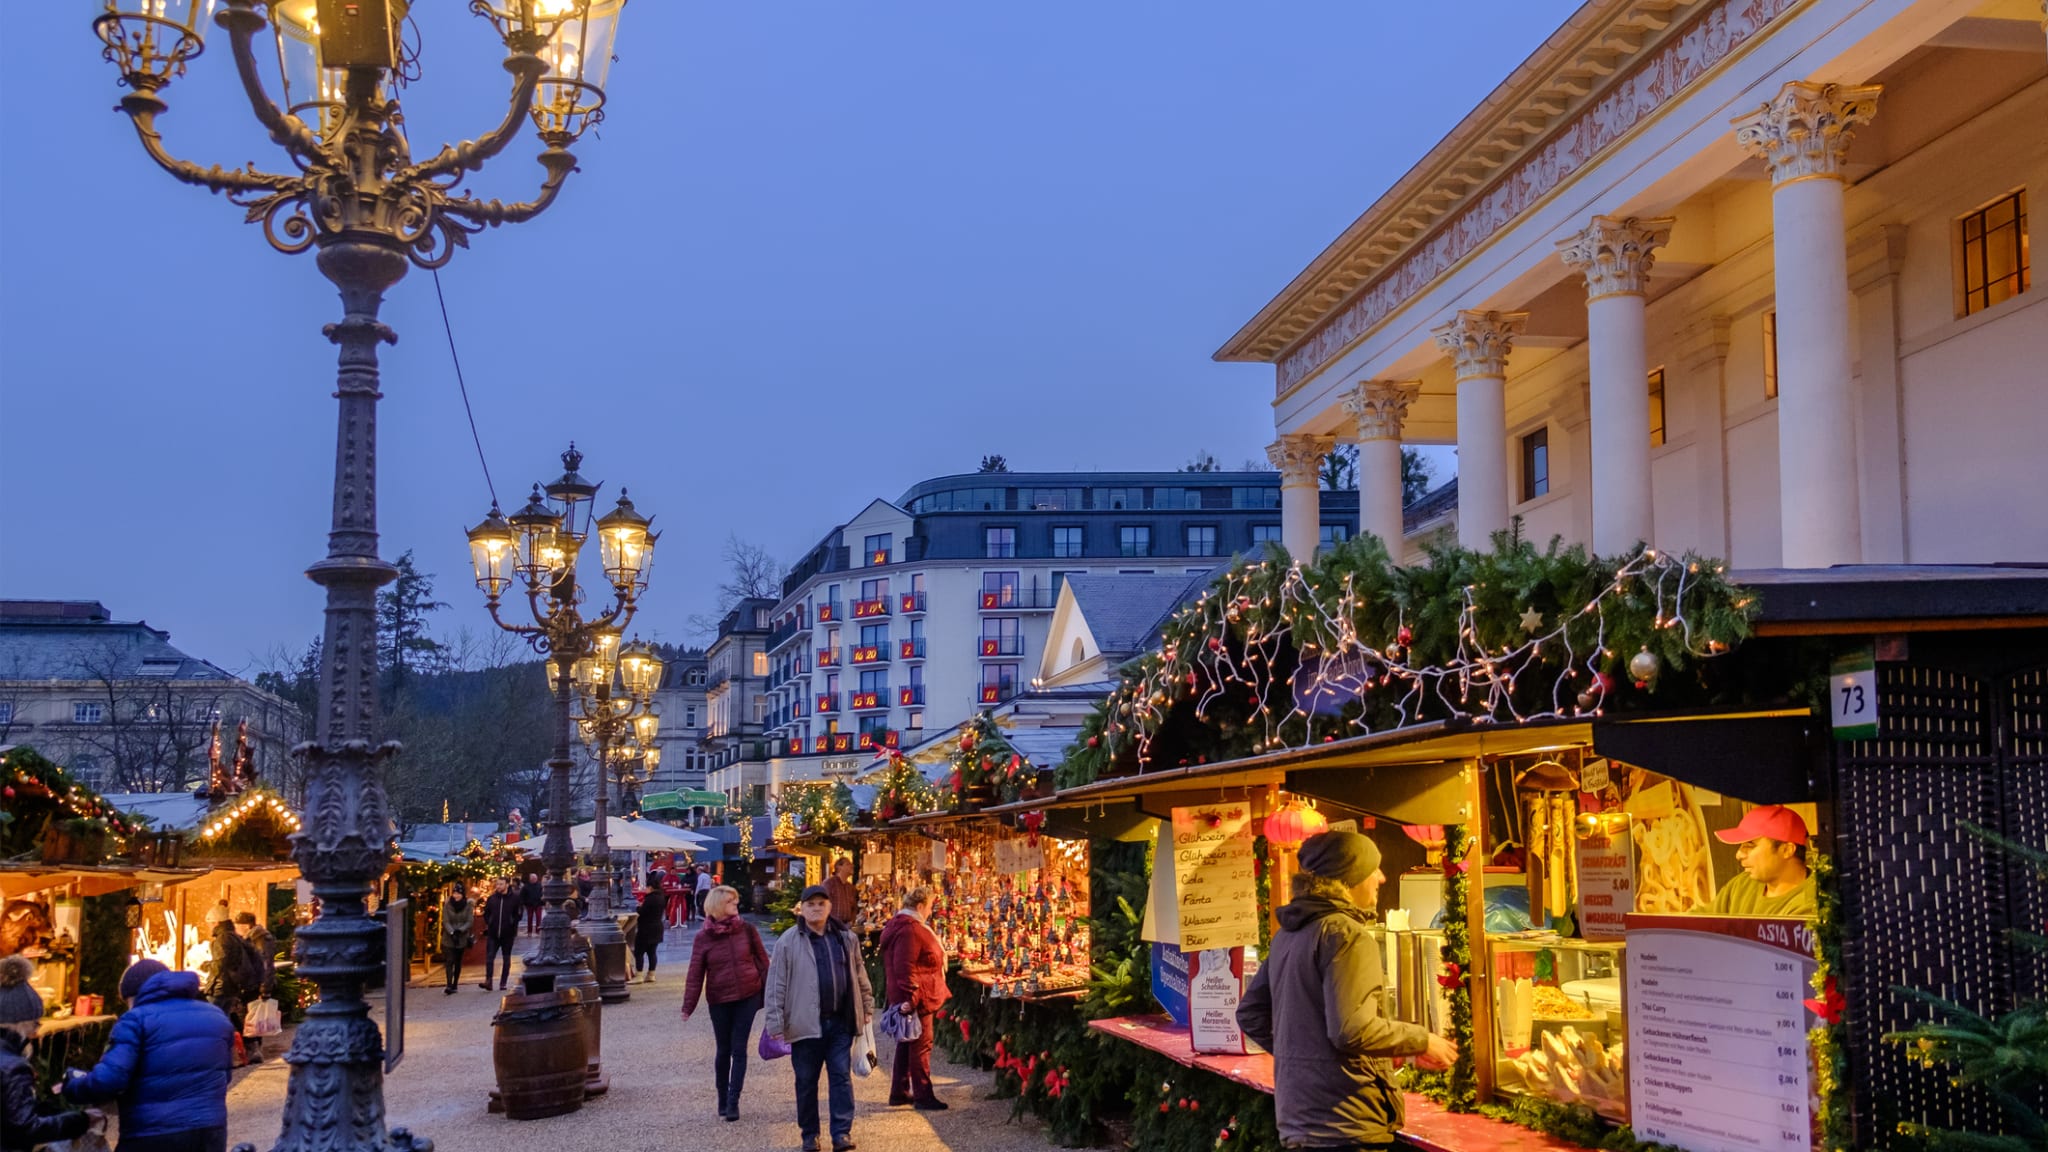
903	789
1273	656
1023	932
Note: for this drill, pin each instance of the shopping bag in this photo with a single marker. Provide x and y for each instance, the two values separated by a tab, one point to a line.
770	1048
864	1058
263	1019
899	1025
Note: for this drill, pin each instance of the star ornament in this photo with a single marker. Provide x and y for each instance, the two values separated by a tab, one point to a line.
1532	621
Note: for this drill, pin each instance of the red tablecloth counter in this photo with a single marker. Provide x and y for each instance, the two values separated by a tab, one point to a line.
1429	1126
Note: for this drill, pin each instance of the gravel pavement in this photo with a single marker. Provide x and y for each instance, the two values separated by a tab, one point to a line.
661	1096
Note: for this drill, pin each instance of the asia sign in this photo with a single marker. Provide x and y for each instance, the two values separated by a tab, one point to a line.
1214	874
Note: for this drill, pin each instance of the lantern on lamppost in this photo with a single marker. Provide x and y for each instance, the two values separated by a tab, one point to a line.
353	193
615	687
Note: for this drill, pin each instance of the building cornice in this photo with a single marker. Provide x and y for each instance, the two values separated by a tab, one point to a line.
1611	65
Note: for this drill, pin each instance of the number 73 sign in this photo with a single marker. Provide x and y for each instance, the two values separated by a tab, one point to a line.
1852	696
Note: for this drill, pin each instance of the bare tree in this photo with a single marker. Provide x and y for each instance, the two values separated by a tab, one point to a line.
150	735
1204	461
754	573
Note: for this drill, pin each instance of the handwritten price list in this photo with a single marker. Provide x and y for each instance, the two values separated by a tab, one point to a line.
1214	876
1717	1049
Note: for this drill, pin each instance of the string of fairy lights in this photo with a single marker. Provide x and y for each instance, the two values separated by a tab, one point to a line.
1236	636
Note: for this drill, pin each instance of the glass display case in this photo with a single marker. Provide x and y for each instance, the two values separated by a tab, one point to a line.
1558	1022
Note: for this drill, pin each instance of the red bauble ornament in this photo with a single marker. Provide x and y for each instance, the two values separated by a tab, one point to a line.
1405	636
1094	741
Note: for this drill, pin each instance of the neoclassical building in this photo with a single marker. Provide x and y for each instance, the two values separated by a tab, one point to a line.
1750	277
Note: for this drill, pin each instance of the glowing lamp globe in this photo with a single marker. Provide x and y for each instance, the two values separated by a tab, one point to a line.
1294	823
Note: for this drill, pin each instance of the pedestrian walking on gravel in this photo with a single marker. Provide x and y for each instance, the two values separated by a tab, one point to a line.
501	932
458	921
818	1000
166	1062
704	885
21	1126
914	980
533	898
264	945
647	935
728	965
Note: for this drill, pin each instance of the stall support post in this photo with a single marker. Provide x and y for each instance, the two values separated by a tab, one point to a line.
1480	980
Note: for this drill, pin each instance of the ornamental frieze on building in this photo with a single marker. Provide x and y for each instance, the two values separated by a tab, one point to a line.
1659	77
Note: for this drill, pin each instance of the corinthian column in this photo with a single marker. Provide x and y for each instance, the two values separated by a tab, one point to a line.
1478	343
1379	407
1615	256
1299	459
1803	133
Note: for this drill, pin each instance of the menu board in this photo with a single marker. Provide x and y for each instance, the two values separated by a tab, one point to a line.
1215	985
1717	1050
1214	876
1607	881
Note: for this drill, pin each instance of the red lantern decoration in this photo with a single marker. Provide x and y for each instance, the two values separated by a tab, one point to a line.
1294	823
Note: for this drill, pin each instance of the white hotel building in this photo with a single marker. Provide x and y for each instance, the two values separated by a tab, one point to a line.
1750	277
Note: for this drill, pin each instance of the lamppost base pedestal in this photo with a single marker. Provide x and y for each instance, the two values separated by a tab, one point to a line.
609	959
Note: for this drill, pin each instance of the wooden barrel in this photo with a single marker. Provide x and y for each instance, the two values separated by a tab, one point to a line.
540	1052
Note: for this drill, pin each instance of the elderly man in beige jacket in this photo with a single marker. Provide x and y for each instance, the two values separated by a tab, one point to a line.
818	1000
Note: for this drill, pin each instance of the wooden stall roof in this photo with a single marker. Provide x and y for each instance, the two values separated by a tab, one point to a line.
18	880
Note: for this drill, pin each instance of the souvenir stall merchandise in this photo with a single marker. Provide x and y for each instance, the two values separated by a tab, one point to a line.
1010	907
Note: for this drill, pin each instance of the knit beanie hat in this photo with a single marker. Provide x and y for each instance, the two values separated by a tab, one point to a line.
137	975
1346	857
218	913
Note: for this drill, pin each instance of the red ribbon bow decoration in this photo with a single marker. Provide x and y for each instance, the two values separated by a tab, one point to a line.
1830	1004
1452	975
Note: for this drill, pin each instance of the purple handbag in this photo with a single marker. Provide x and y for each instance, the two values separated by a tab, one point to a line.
770	1048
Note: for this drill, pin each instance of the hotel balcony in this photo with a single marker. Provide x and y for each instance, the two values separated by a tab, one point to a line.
833	742
910	602
830	610
912	649
869	609
886	738
911	696
786	632
794	746
1035	599
997	693
871	654
828	702
876	701
828	657
994	646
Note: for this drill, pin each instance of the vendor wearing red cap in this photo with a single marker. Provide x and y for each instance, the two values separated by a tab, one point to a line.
1771	847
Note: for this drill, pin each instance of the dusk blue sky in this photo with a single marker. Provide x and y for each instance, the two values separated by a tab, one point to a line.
818	251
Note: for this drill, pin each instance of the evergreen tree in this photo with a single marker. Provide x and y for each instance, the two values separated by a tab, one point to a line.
993	464
403	645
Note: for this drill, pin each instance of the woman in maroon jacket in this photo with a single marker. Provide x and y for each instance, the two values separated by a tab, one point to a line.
727	966
914	979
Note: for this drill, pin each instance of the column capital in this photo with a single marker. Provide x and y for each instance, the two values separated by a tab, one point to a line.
1479	341
1380	407
1616	255
1299	457
1804	130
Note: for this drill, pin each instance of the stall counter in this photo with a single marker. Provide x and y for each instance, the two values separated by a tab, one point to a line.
1429	1126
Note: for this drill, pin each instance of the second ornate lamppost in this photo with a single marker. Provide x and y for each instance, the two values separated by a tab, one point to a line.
538	547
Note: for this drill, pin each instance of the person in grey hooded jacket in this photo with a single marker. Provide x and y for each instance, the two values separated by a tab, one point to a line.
1318	1004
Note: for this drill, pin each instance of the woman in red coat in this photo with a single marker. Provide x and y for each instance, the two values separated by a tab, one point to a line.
914	979
728	965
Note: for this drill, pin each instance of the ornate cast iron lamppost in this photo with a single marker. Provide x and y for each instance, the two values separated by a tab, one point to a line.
613	687
353	194
539	546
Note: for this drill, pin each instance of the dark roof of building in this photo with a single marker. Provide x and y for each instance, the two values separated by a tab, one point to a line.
1087	480
1124	612
78	640
1437	502
1872	592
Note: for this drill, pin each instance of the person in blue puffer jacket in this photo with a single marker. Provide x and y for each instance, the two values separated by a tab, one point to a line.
167	1063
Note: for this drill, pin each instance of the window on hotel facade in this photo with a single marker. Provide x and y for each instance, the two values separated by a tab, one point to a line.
1066	541
1334	534
1994	267
1656	407
690	716
6	711
874	589
1265	533
874	680
1054	499
1119	499
874	725
1002	543
998	589
1256	498
1134	540
1201	539
1002	678
1536	464
874	635
86	712
879	548
1770	355
760	663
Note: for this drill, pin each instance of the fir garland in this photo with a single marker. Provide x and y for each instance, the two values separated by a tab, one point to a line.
1574	1122
1827	1039
1455	1087
1273	655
